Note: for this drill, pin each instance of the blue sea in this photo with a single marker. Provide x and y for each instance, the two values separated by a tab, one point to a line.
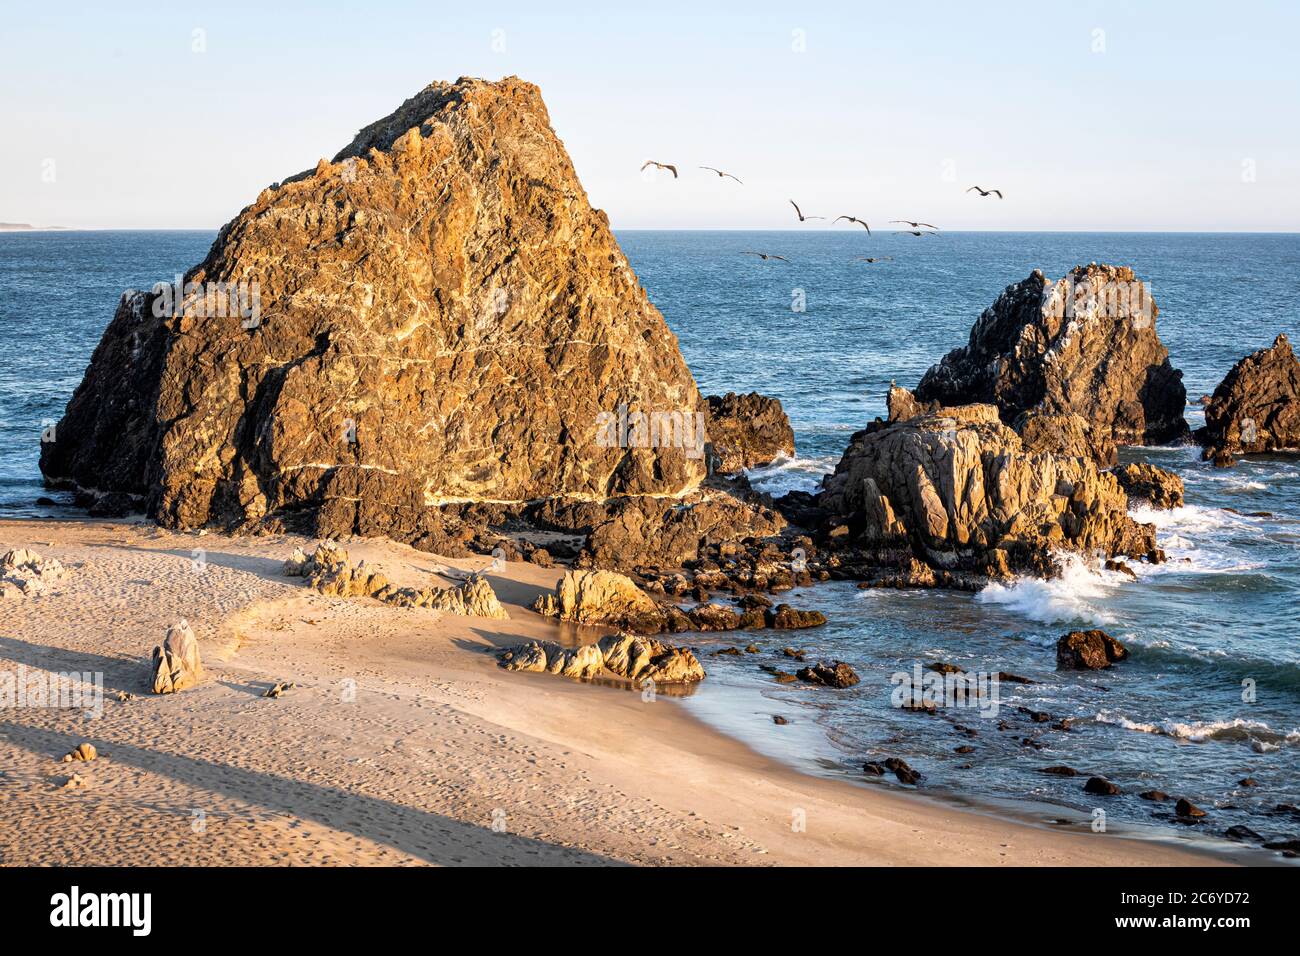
1211	695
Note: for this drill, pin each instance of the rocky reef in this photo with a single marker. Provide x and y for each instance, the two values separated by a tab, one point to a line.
629	656
1084	345
1256	407
747	430
952	495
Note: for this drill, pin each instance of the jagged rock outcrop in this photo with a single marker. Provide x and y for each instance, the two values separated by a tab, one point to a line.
330	571
1084	345
1155	486
602	597
634	657
954	490
440	316
24	573
746	431
1256	407
175	665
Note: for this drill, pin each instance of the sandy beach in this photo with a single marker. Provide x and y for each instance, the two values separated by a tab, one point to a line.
402	742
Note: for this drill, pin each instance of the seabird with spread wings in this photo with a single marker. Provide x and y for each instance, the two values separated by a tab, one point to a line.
985	192
668	166
720	173
860	222
799	213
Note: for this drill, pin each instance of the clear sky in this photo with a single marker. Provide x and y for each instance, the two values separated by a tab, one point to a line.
1089	115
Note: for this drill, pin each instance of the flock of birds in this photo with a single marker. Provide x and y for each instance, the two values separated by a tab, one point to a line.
916	228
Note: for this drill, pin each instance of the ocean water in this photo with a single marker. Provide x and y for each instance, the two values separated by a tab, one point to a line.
1215	622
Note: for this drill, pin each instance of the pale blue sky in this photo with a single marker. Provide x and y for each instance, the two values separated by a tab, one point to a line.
1186	120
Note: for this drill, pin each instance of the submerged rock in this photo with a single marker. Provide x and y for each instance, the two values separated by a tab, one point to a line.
175	664
1084	345
1256	407
1101	787
746	431
440	316
1088	650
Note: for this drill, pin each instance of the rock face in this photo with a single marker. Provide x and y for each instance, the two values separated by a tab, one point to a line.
955	490
747	431
440	316
1088	650
630	656
1157	487
24	572
176	664
1256	408
602	597
1084	345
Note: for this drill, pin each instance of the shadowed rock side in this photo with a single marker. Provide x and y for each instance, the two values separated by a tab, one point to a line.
443	316
1085	345
746	431
1256	407
953	494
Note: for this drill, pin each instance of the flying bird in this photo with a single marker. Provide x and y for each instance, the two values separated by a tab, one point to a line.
668	166
799	213
860	222
720	173
766	255
914	232
874	259
985	192
914	225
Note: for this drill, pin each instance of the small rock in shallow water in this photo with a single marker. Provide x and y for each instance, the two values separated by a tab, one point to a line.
1248	782
778	719
1060	770
1088	650
1158	796
1101	787
1185	808
833	674
1242	833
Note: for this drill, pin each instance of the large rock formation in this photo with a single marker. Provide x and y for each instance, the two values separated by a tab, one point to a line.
441	316
746	431
1084	345
954	490
1256	407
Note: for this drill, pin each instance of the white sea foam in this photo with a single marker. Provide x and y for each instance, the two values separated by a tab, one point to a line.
1258	734
1073	596
1192	536
791	474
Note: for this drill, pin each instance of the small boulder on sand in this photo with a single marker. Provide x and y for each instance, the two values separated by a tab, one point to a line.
83	751
1088	651
24	572
602	597
632	656
176	664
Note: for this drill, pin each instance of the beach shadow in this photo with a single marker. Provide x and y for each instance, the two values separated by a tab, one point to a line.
120	673
268	569
429	836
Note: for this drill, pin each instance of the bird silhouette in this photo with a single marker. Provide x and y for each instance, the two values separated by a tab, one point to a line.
860	222
766	255
914	232
985	192
874	259
914	225
668	166
799	213
720	173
